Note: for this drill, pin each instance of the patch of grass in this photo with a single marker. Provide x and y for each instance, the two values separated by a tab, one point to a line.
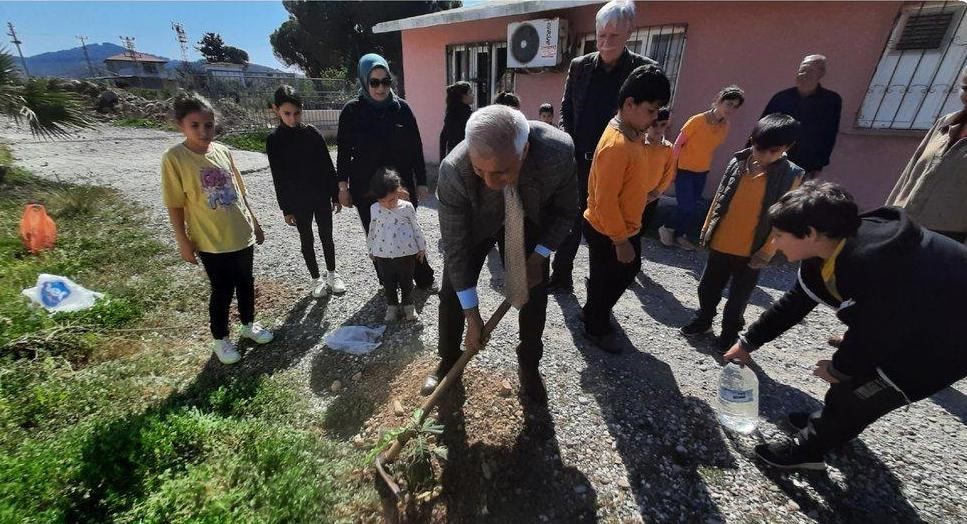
143	123
152	430
209	456
101	244
248	140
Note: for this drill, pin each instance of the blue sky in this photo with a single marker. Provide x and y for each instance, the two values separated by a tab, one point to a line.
51	26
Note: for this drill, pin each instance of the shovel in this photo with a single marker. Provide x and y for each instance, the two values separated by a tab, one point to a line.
393	452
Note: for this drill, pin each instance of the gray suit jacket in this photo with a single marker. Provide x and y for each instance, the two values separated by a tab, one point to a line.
470	212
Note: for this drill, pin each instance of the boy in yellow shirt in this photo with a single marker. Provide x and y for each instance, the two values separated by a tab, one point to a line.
737	230
695	147
618	187
661	160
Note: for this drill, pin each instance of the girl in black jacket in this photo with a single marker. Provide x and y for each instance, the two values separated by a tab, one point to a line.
459	98
305	185
378	130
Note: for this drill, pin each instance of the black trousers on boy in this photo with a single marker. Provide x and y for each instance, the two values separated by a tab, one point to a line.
397	273
608	280
303	223
563	264
851	406
422	273
723	269
229	273
531	317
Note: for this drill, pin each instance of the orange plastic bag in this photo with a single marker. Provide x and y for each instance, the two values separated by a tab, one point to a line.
37	230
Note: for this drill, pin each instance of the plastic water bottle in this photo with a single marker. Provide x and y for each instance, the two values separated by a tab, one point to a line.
738	398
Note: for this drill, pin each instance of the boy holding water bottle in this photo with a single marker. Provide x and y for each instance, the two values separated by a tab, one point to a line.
900	289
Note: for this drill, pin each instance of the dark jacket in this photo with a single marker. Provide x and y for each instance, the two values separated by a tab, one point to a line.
301	167
819	114
369	138
470	212
579	78
781	176
904	301
454	128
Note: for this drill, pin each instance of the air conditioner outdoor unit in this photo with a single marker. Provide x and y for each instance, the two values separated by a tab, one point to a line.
536	43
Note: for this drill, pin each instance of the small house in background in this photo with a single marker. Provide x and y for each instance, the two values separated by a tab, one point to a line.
248	75
133	69
894	63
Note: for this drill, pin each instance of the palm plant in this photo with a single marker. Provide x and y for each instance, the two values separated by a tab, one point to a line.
48	112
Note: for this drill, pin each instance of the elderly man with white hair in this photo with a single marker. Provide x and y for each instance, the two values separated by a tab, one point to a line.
817	109
510	183
590	101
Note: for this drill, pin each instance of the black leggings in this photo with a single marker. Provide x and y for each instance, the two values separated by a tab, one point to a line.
229	274
397	273
303	222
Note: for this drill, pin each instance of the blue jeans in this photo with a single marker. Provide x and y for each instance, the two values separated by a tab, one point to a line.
688	193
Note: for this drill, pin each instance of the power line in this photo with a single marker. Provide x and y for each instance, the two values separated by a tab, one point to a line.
87	57
16	41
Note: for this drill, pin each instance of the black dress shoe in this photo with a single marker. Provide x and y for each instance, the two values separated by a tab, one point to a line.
532	385
559	286
429	385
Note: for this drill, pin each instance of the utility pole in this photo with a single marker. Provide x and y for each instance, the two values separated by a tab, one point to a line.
182	37
16	41
87	57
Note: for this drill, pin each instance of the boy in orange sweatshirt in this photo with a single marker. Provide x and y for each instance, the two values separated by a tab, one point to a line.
618	188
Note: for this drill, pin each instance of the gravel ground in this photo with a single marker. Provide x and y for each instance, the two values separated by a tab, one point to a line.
625	438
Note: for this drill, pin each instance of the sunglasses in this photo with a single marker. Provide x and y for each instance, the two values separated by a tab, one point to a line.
385	82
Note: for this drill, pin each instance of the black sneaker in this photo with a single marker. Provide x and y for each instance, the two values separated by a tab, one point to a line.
798	420
605	342
696	328
790	455
726	340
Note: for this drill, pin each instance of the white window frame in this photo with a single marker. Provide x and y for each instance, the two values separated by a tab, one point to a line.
911	88
648	34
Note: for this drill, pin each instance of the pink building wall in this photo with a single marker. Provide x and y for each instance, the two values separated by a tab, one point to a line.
756	45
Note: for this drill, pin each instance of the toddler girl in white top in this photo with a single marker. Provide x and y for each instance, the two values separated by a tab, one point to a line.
395	242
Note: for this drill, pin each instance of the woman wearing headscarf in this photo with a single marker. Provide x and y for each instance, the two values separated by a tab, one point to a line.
378	130
459	98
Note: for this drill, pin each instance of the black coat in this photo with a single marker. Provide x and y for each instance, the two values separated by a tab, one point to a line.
302	169
370	138
903	298
454	128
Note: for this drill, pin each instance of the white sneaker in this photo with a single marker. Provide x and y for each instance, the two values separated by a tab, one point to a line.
410	313
320	287
392	312
667	236
256	333
225	351
336	285
686	244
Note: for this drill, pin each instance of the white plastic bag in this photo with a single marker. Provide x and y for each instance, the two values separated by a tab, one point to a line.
357	340
59	294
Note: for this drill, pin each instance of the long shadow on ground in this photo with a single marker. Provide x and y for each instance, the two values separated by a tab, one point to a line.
524	483
662	437
868	491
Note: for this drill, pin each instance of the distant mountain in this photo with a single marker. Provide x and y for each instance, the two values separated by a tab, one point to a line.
70	63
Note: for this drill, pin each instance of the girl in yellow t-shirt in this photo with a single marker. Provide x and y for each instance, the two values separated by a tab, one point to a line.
212	220
701	135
